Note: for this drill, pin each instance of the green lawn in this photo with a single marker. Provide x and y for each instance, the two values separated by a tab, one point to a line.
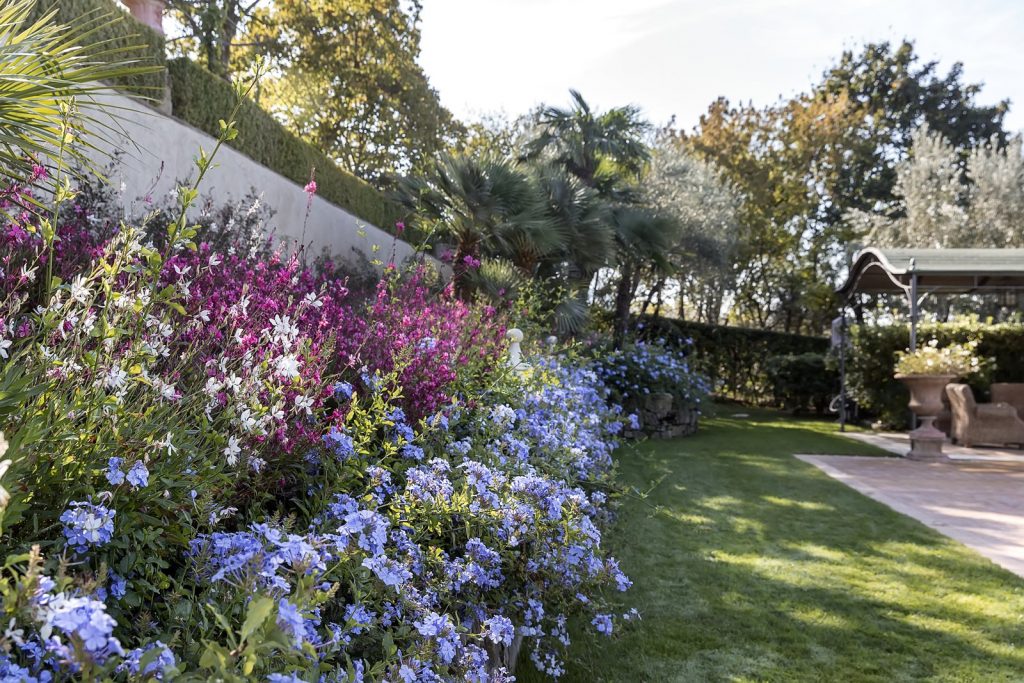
750	565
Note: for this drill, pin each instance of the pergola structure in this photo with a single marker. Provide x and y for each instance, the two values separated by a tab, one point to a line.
916	273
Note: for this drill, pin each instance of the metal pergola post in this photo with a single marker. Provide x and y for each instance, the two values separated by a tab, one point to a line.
913	305
842	367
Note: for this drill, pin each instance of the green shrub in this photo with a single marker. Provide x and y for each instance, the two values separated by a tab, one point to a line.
117	34
802	380
734	359
874	348
202	99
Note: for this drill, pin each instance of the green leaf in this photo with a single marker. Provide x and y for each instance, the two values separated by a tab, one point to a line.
259	610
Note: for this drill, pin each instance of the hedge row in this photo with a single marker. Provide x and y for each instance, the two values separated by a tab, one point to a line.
743	364
116	33
202	99
870	363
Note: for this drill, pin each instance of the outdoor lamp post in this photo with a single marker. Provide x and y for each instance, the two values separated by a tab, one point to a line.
149	12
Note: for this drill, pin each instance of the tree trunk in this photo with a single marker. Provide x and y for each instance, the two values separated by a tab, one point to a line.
623	299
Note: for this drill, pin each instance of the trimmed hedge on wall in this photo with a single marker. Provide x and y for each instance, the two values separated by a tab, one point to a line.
117	32
202	99
738	360
870	362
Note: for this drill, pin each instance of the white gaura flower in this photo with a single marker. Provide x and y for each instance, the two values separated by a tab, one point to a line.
203	315
167	444
115	378
4	345
277	412
283	329
28	274
311	300
288	366
212	387
232	450
304	403
216	259
233	383
238	335
248	421
182	271
89	322
80	289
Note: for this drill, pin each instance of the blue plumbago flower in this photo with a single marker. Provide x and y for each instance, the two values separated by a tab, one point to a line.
603	623
403	432
285	678
367	528
156	668
87	525
380	482
441	630
9	671
429	483
499	630
461	447
138	475
439	420
84	619
412	452
396	415
340	443
343	391
118	585
387	570
113	472
291	622
358	618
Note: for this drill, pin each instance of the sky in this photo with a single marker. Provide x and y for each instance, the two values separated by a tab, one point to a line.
674	57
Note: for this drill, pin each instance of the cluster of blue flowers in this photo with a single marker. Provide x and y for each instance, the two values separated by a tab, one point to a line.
643	368
479	533
87	525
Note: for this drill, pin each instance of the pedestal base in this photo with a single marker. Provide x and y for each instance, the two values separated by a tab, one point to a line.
926	444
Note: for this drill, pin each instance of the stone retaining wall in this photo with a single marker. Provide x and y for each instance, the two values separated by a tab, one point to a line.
662	416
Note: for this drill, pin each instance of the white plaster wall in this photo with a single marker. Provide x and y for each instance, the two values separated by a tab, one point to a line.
158	152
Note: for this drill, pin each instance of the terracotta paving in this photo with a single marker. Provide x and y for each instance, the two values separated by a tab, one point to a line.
979	502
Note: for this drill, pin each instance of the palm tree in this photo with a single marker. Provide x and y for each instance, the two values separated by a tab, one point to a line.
601	149
608	152
490	208
47	72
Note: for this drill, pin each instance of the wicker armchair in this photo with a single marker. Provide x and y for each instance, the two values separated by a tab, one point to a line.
988	423
1003	392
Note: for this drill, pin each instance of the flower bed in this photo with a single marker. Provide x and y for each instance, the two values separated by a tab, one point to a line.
223	464
654	383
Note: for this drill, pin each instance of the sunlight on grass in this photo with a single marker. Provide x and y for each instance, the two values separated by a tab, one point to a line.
750	565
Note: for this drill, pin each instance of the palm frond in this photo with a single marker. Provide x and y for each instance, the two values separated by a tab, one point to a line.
51	84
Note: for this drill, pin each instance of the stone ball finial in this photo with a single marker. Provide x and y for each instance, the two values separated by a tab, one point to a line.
515	335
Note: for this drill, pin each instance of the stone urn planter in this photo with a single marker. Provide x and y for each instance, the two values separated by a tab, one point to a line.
926	393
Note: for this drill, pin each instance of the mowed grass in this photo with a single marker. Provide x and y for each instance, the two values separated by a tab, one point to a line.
750	565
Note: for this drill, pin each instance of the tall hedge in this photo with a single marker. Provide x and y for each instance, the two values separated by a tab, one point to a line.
116	33
873	353
742	363
202	99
